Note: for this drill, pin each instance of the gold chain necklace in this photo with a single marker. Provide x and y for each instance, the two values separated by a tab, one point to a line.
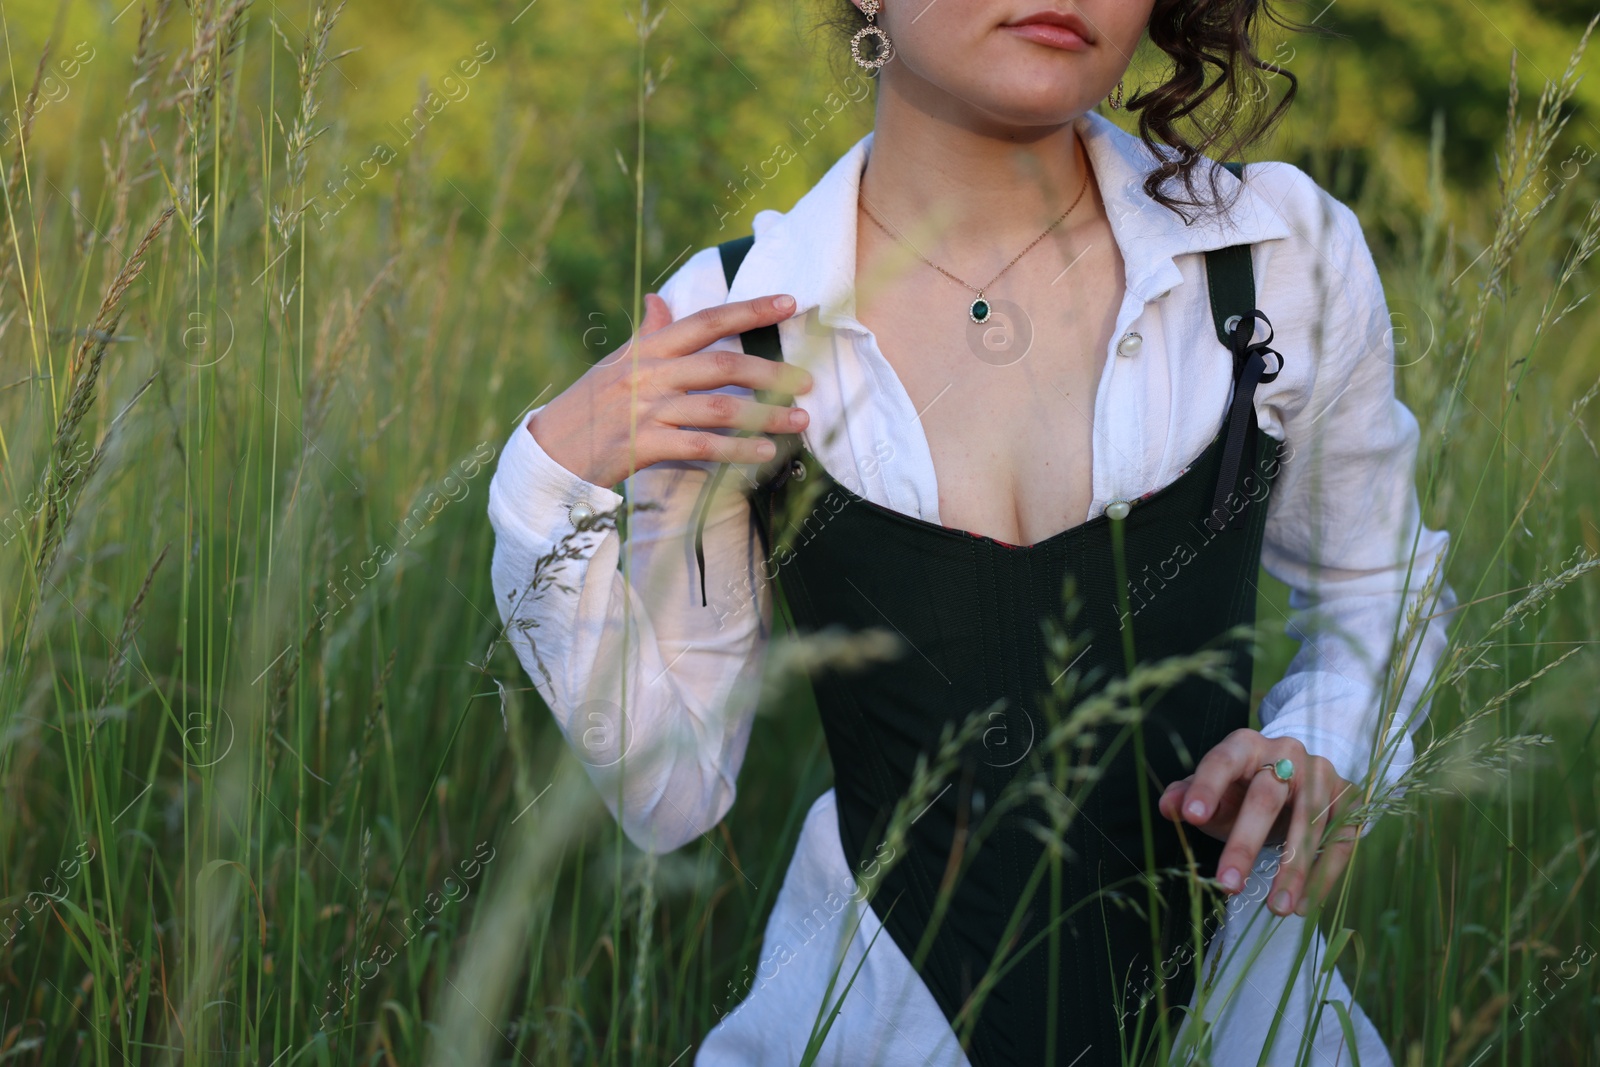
979	309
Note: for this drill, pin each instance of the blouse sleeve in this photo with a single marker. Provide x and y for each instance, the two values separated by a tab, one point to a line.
1344	530
654	692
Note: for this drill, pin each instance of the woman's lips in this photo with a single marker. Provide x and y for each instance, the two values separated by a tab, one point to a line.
1049	33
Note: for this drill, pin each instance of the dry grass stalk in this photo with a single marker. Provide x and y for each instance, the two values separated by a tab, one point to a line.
19	167
330	355
132	129
130	628
299	135
83	376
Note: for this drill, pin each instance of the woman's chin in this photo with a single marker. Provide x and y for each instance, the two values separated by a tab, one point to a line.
1024	99
1024	114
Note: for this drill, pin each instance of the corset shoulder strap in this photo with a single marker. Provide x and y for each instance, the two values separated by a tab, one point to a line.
763	341
1231	278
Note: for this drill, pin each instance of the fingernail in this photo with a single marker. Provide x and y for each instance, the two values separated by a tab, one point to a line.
1303	906
797	417
1197	808
766	449
1281	902
783	303
1230	880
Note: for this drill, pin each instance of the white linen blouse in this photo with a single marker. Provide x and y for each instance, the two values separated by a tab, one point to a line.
1343	531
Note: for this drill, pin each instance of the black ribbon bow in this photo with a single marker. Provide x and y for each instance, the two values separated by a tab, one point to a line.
1249	370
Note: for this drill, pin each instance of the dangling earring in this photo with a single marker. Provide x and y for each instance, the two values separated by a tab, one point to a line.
1115	99
870	9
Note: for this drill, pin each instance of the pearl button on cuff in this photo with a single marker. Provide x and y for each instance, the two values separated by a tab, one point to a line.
1118	509
579	513
1130	344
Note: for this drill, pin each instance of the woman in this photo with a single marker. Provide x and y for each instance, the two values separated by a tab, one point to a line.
1015	347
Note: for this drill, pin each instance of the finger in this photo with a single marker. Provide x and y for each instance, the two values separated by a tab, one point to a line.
694	332
719	367
1309	813
1220	824
1329	867
1262	803
657	315
734	412
705	446
1233	760
1337	850
1171	803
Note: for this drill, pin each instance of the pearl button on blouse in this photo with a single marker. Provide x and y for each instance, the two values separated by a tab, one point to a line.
1130	344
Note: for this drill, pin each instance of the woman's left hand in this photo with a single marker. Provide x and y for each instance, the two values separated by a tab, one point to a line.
1234	797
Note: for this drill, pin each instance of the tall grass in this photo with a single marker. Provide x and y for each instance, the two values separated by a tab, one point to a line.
274	788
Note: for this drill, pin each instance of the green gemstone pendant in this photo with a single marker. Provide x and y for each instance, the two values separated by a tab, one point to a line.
979	311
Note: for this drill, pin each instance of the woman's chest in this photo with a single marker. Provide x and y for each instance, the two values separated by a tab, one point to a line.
1006	406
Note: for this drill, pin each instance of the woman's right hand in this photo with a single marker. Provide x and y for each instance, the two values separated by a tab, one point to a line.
634	409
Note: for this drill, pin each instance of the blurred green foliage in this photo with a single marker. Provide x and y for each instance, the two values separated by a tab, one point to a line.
457	262
739	78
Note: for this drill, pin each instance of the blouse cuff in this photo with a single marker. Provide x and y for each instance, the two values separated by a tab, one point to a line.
1334	717
539	499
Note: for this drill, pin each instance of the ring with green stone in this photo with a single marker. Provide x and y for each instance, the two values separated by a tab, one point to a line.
1282	770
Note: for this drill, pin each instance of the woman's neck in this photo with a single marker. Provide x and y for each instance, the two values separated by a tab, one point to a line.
968	188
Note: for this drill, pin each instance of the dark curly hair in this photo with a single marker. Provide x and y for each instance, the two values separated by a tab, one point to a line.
1216	101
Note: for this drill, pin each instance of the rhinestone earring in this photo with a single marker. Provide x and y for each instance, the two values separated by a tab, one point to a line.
870	8
1115	99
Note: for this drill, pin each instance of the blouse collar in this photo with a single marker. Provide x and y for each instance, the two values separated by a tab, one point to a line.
810	251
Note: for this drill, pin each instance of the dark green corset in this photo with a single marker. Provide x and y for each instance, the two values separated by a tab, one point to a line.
970	615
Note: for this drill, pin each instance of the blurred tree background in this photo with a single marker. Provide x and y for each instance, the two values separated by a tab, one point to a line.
252	665
741	73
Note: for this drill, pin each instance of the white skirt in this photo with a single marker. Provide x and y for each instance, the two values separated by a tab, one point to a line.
890	1019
